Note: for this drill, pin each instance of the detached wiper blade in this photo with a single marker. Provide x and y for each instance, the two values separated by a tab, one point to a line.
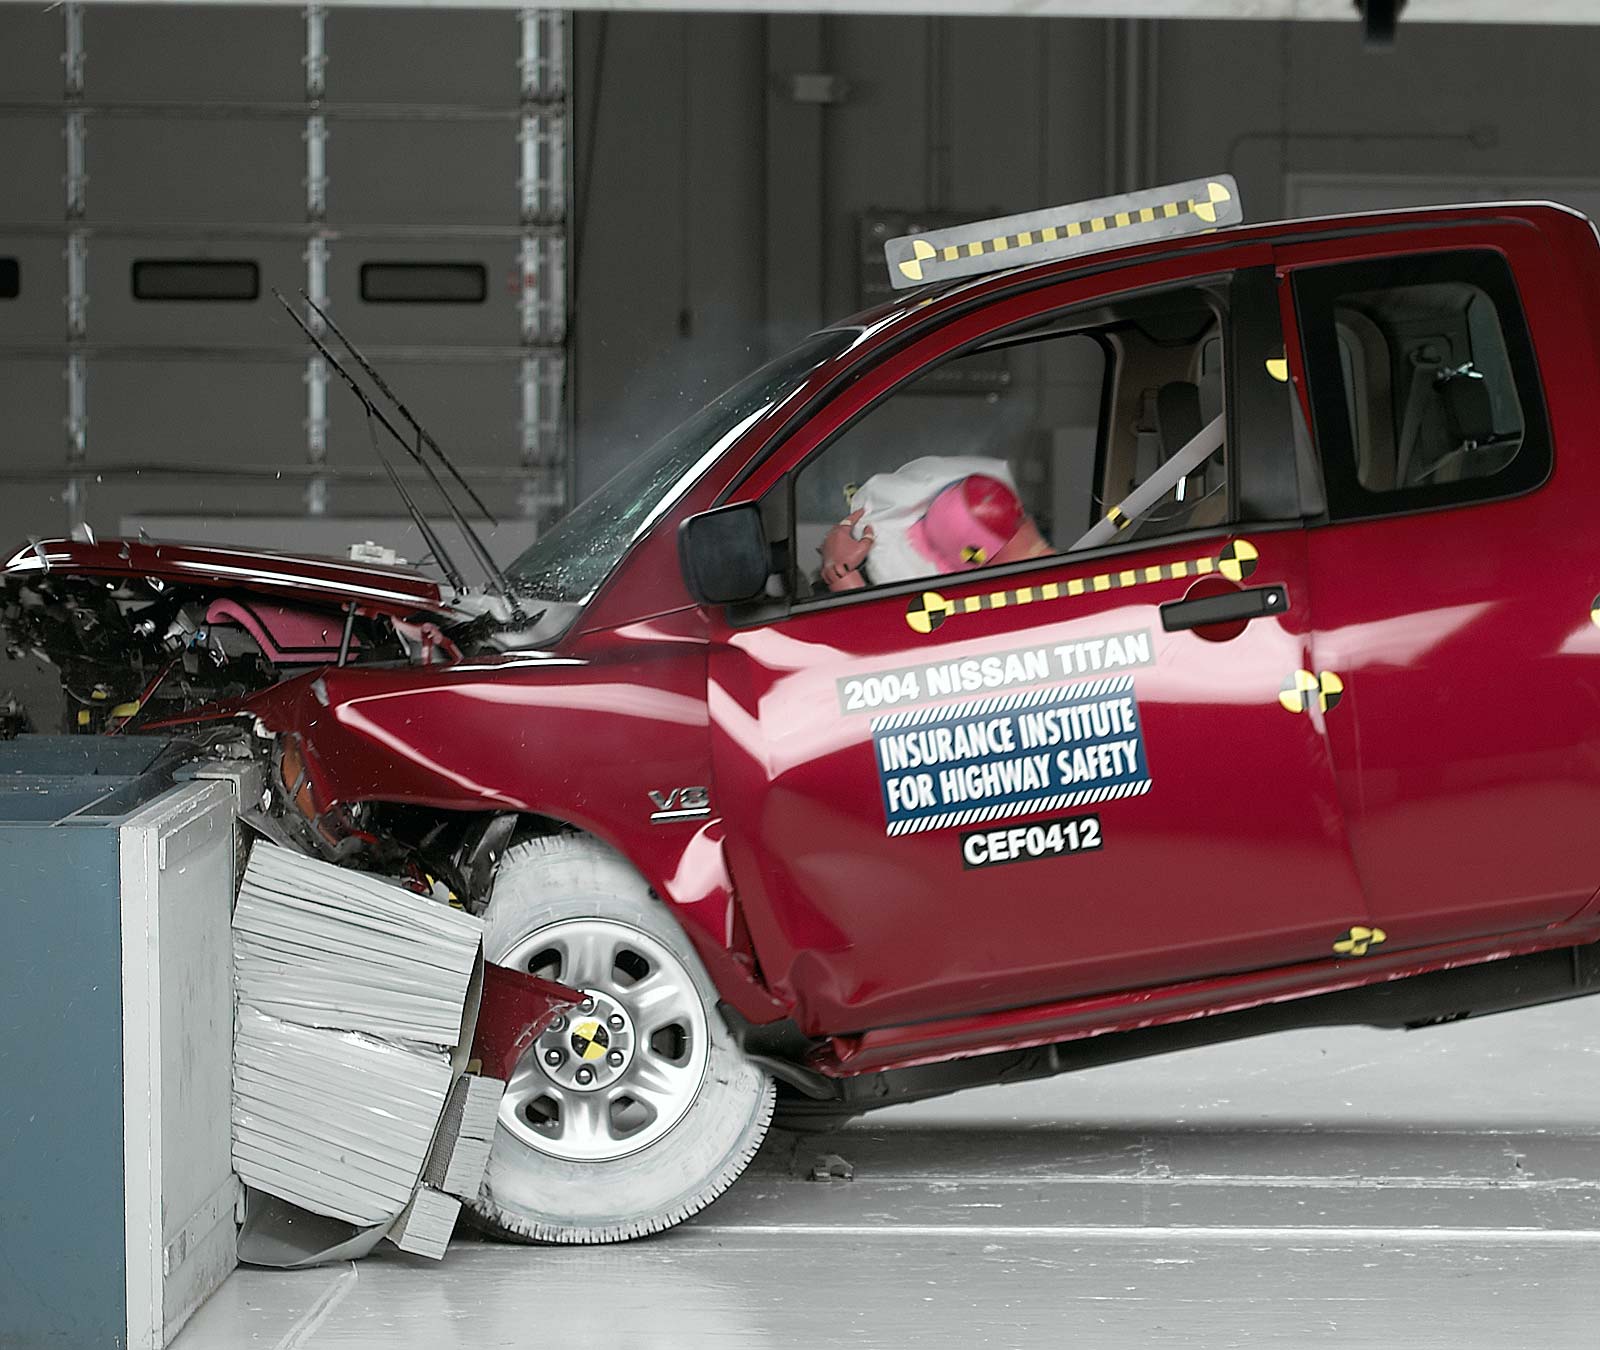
480	551
452	573
405	412
429	537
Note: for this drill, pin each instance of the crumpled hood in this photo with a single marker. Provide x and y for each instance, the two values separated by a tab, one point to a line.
399	592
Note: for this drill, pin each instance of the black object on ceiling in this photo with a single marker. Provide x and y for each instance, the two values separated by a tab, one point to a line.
1378	21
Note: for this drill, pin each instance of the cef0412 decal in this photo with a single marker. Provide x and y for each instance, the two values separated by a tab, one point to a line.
1025	843
1033	750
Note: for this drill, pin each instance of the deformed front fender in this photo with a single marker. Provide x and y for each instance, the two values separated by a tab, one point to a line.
581	741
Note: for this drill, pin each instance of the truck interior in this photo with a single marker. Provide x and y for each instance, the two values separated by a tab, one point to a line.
1082	410
1427	384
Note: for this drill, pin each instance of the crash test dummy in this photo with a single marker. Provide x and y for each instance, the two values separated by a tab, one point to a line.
931	517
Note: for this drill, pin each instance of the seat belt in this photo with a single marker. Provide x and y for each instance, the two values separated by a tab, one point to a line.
1422	376
1195	452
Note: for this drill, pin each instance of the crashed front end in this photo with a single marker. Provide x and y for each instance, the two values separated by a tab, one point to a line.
142	631
190	641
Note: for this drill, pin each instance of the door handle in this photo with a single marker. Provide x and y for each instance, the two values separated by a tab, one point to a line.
1256	602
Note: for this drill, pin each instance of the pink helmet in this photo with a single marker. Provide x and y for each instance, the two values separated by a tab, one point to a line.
968	524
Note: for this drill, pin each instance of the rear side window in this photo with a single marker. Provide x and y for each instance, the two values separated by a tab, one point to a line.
1422	381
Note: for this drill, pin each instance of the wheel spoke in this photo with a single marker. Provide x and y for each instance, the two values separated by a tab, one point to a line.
659	1081
585	1121
587	956
658	1001
521	1092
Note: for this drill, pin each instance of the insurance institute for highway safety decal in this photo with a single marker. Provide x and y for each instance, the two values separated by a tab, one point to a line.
1043	749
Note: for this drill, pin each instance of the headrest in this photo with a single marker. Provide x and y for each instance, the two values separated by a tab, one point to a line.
1467	409
1177	416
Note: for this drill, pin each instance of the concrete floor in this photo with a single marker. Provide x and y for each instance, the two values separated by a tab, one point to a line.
1437	1189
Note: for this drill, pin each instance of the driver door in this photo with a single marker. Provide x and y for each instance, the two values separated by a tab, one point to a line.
1013	785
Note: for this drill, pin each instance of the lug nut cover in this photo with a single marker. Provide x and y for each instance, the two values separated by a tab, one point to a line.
614	1059
615	1021
585	1075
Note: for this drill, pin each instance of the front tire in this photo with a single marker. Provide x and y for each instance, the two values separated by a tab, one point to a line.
634	1113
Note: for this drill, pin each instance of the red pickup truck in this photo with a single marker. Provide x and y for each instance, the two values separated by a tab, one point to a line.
1307	732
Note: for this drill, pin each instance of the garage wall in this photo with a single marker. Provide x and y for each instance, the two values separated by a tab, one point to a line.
200	385
717	215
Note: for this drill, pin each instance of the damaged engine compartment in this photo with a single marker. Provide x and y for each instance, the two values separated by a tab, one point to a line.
177	640
142	631
136	651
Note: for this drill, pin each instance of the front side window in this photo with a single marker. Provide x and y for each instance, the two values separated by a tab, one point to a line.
1422	382
1093	407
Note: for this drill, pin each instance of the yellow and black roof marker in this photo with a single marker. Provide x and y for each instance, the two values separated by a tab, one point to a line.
1304	689
1235	560
1358	940
1594	610
1064	231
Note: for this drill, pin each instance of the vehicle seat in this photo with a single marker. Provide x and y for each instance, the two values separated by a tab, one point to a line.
1469	428
1179	419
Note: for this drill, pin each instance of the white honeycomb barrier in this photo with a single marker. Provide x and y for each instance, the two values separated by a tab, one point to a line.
355	1003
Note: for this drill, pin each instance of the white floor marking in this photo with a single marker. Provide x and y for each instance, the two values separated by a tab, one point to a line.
1104	1232
1264	1181
318	1313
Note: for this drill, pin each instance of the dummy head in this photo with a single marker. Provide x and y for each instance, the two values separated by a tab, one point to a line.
974	521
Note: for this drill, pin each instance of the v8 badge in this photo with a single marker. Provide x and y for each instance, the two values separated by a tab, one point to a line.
682	803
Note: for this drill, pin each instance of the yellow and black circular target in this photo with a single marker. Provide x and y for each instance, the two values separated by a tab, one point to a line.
1303	689
1237	559
927	611
1594	610
1358	940
589	1040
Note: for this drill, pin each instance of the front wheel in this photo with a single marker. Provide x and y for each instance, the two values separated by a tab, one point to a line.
636	1110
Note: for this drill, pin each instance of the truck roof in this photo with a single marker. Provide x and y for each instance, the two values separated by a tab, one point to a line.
1297	230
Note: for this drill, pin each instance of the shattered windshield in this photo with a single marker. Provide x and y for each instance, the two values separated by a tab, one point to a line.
570	561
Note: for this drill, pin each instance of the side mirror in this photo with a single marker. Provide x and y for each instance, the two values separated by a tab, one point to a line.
724	554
